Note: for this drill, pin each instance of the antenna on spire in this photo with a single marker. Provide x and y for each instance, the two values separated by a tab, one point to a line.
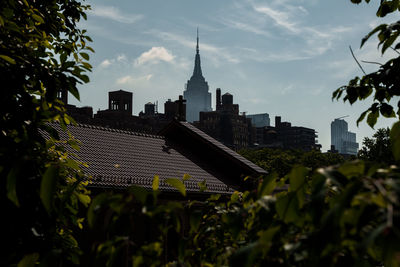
197	46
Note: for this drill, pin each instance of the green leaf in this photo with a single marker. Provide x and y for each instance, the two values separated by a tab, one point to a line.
63	57
267	236
139	192
84	55
268	185
84	199
37	18
177	184
48	186
84	78
378	28
156	182
8	59
389	42
74	91
352	169
202	185
96	204
362	116
186	177
12	186
195	219
387	110
297	177
372	118
29	260
287	208
395	140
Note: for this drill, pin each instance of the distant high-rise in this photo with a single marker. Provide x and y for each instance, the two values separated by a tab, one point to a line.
342	139
196	94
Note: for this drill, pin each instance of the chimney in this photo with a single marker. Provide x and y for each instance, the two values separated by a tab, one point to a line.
218	99
181	109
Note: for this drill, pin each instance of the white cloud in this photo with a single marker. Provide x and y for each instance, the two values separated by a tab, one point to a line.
155	55
261	17
105	63
130	80
218	52
287	89
121	57
115	14
279	17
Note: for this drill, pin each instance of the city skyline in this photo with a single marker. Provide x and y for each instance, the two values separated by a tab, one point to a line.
275	57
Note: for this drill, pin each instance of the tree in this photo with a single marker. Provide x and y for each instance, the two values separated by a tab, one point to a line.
282	161
378	148
385	82
41	52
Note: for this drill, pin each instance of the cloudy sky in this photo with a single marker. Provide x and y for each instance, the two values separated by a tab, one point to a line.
281	57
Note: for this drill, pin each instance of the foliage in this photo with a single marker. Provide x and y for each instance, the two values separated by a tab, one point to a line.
384	82
378	148
41	52
282	161
344	215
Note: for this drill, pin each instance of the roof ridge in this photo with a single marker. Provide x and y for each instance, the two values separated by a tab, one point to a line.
115	130
223	147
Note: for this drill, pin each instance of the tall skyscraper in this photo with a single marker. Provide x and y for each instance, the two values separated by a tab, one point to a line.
343	140
196	94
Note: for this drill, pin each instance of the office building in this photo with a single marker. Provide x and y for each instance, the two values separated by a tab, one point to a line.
342	139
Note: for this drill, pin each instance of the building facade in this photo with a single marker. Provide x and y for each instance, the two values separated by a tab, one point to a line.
119	113
286	136
342	139
259	120
226	124
196	93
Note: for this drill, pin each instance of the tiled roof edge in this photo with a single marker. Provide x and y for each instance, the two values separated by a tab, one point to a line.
114	130
212	141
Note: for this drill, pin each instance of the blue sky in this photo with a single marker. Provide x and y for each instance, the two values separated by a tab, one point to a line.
280	57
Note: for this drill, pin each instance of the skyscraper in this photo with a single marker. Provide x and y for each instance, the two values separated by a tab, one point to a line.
343	140
196	94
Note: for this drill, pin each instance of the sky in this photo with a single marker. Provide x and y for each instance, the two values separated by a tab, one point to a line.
281	57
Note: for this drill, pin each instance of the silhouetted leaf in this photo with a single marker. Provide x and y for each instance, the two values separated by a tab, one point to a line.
372	118
156	182
202	185
48	186
12	185
29	260
8	59
395	139
139	192
186	177
268	185
177	184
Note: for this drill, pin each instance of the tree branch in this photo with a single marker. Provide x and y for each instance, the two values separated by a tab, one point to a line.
358	63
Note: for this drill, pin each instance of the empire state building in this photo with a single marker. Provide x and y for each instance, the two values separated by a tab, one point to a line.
196	94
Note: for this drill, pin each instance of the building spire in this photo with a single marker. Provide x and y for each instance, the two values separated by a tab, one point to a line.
197	46
197	74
